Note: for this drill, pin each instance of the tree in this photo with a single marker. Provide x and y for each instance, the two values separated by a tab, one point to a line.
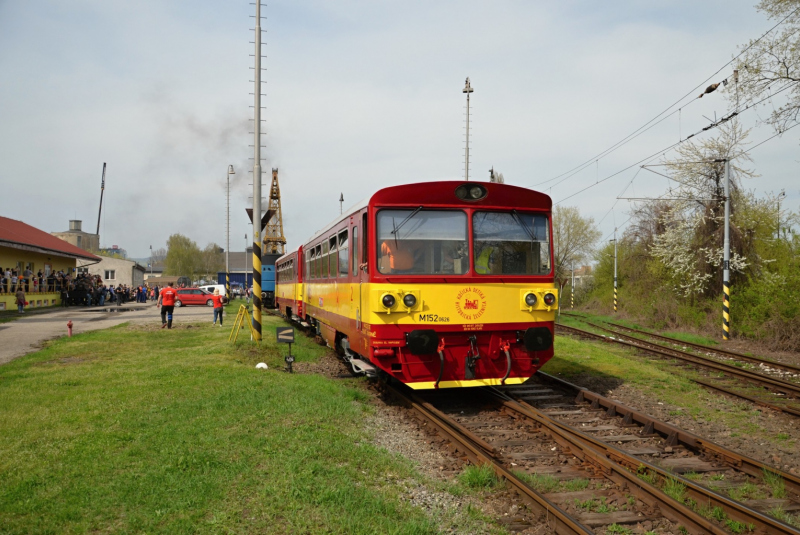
183	257
158	256
773	64
212	261
574	238
689	232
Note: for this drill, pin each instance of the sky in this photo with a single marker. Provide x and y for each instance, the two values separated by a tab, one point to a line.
358	96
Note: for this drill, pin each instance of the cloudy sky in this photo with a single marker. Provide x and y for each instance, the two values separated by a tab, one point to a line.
359	95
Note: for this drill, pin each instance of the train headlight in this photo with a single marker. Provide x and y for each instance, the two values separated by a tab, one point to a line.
530	299
388	300
409	300
470	192
549	299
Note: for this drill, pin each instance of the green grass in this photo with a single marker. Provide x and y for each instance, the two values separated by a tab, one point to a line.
775	483
691	338
480	477
675	489
142	430
545	483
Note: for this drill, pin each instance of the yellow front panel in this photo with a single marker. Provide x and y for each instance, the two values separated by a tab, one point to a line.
442	304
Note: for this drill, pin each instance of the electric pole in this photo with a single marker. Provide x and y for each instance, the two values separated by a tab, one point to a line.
257	183
467	89
228	233
615	270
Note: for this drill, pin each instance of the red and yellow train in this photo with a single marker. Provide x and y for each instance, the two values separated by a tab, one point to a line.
438	285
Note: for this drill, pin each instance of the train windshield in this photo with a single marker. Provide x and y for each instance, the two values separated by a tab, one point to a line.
511	243
422	242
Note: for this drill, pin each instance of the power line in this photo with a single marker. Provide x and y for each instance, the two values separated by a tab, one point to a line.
645	127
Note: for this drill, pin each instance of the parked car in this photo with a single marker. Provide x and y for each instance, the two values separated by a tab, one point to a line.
193	296
211	287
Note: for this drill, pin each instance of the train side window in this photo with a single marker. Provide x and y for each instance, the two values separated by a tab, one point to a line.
324	261
318	250
311	265
343	257
355	251
333	257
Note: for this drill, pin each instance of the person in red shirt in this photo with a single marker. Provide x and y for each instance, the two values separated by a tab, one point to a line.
218	302
166	300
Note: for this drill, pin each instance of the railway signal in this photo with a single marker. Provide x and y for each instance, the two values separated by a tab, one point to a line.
285	335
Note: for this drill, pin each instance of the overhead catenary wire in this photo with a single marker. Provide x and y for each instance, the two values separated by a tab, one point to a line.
646	126
713	125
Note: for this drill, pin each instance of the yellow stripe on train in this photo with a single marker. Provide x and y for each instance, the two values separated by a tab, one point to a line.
432	303
426	385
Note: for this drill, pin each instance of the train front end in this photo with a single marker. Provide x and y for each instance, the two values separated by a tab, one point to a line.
462	293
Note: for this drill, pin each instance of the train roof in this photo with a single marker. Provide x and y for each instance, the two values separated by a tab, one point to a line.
443	193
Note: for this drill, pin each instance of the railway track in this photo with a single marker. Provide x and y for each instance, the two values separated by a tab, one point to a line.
783	369
604	465
781	393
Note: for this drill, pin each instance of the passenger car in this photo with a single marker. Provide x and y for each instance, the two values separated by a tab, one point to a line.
193	296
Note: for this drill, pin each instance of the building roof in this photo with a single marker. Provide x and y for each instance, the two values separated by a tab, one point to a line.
20	235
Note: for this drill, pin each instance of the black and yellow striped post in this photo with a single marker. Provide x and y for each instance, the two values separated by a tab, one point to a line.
726	311
615	294
257	287
227	286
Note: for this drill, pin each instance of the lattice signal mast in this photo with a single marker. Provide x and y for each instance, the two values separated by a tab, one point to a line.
274	241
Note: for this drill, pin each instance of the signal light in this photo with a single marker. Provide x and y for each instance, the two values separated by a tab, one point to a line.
530	299
549	299
388	300
409	300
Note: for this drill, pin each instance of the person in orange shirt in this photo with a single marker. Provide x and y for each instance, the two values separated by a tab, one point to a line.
218	302
166	300
399	255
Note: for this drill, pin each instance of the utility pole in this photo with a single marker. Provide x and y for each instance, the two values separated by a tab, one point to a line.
572	286
257	183
228	234
151	260
726	257
246	286
467	89
615	270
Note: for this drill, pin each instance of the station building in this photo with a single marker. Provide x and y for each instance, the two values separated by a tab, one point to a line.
115	271
23	247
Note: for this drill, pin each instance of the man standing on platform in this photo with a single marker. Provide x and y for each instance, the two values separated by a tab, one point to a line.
166	300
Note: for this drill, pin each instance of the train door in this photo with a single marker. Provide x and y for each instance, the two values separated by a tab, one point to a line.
356	271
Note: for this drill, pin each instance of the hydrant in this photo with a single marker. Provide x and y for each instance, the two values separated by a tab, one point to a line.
69	328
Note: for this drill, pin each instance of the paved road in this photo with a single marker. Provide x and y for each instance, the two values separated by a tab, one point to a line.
26	334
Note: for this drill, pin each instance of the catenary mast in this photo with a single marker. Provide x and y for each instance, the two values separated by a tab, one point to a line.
257	182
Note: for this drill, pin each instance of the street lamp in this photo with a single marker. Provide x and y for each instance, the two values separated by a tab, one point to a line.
151	260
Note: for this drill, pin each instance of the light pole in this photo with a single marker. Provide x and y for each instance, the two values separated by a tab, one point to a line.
467	89
246	286
615	270
228	234
572	286
151	260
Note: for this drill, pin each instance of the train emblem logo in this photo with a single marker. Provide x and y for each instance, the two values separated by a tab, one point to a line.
470	303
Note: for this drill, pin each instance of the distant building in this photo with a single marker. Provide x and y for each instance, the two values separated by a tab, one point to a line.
114	251
154	270
78	238
582	275
116	271
23	247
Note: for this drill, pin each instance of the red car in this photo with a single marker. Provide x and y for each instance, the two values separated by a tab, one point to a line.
193	296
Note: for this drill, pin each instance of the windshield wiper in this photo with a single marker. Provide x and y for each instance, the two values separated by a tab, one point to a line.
404	221
522	224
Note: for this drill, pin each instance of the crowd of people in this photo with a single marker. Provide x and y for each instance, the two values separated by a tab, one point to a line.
83	289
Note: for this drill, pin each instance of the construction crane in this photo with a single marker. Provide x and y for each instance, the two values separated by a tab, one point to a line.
274	241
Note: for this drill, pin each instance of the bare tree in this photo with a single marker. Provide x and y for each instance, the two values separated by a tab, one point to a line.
574	238
772	65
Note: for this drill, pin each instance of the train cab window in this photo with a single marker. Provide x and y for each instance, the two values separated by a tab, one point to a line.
423	242
343	258
333	257
511	243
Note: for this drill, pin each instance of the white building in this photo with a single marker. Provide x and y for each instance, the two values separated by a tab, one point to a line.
116	271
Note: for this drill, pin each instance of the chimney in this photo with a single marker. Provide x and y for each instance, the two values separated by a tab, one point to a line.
75	224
